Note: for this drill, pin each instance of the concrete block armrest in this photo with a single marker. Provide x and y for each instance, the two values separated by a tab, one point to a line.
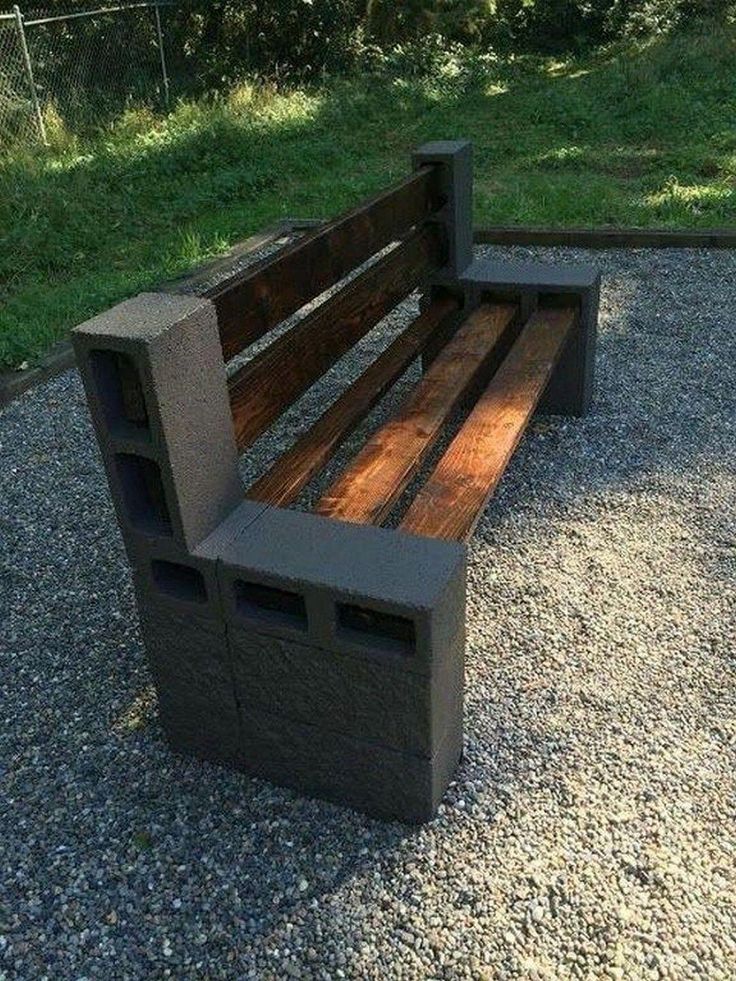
539	277
570	390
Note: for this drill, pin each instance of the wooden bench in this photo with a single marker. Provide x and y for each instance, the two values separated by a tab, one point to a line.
318	648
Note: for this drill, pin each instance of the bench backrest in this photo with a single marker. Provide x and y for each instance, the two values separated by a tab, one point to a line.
411	233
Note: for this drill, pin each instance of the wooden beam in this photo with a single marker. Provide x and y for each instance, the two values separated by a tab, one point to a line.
265	387
367	490
251	303
283	483
451	502
609	238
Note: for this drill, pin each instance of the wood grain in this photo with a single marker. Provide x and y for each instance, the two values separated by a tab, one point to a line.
266	386
250	303
366	491
451	502
283	483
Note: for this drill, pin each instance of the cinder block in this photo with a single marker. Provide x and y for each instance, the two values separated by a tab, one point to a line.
571	388
450	325
347	636
333	576
382	782
354	696
455	161
155	382
191	667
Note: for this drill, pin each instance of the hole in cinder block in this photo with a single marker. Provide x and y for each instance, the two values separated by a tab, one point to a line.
143	493
374	628
121	393
270	605
181	581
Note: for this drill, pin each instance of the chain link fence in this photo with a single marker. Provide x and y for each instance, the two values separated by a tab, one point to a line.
79	64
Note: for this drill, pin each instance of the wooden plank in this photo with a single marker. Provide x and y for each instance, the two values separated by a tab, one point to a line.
609	238
451	502
283	483
253	302
367	490
265	387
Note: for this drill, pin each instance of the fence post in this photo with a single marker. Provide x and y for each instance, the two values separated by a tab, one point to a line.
160	35
29	73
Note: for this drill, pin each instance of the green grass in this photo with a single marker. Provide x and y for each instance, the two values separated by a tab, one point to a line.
641	136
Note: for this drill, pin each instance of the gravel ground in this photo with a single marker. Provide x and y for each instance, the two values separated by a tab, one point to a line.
590	831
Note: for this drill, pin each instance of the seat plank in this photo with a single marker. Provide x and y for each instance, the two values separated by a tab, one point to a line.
266	386
283	483
451	502
252	301
366	491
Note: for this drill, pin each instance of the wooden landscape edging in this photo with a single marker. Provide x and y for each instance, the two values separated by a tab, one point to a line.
60	357
608	238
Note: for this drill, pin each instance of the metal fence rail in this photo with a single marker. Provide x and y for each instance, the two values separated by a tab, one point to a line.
84	62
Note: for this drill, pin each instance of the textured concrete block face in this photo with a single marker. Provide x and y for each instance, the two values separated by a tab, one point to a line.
571	388
347	648
353	696
156	386
455	160
191	667
355	773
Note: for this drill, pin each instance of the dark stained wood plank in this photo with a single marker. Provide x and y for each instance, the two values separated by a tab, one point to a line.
253	302
283	483
265	387
451	502
610	238
367	490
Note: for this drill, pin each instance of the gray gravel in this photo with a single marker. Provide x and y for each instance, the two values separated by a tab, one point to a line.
590	832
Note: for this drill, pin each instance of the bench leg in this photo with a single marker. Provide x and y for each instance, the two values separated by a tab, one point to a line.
347	645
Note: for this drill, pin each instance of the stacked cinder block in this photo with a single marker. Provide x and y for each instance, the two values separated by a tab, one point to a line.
322	655
155	382
272	646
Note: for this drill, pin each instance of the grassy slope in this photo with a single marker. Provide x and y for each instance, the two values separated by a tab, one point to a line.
639	137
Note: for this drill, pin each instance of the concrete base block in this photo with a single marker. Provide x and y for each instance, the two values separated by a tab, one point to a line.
191	669
356	697
359	774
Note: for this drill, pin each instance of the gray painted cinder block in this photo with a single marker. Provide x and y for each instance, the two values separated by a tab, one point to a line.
571	388
329	564
191	668
359	774
368	700
347	636
162	416
455	161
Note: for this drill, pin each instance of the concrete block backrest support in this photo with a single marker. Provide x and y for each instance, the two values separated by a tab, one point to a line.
155	381
570	391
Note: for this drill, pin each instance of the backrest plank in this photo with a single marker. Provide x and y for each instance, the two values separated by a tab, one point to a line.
451	502
283	483
251	303
265	387
367	490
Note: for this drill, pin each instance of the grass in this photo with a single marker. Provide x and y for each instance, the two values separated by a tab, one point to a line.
638	136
